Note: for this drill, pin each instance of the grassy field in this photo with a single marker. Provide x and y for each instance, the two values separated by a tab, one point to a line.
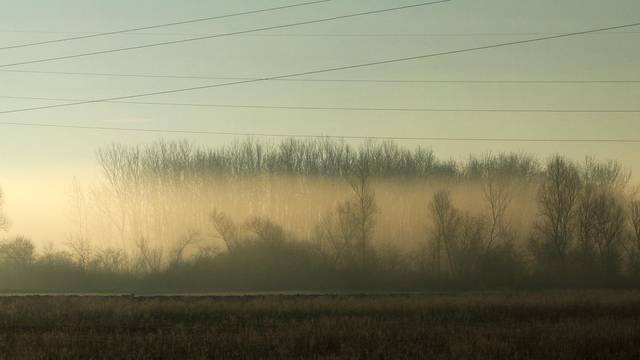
488	325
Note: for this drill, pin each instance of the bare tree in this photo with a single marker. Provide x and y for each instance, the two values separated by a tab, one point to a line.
17	252
79	215
149	258
363	208
470	245
633	243
497	197
635	222
114	161
446	222
558	198
460	236
226	229
602	221
610	175
265	230
4	222
601	217
81	249
184	242
335	235
110	260
346	234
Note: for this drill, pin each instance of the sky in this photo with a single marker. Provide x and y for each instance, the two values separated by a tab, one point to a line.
37	165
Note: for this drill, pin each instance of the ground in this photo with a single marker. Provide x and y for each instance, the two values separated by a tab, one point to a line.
487	325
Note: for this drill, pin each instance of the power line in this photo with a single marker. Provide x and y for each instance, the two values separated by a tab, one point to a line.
335	108
161	25
419	35
66	57
382	81
321	71
346	137
480	34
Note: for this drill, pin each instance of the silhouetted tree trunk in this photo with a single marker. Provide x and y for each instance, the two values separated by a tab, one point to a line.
365	208
496	194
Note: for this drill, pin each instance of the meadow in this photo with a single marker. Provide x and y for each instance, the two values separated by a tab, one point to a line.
595	324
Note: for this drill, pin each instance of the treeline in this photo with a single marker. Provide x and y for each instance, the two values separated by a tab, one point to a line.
158	191
586	233
316	157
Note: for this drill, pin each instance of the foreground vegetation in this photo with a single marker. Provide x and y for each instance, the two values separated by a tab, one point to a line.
547	325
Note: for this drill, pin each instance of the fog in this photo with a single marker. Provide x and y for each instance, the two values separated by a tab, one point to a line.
37	201
42	202
319	214
124	199
296	203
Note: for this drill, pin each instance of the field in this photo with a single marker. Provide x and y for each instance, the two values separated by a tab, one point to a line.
504	324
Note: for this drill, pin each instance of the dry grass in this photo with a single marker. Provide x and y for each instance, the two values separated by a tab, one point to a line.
544	325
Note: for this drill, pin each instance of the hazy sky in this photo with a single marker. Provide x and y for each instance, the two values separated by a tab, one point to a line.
42	161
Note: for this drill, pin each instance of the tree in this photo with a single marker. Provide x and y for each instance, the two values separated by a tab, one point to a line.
470	245
81	249
557	199
601	231
363	207
226	229
610	175
460	236
446	221
265	231
79	215
110	261
635	222
149	258
497	197
335	234
601	217
346	234
18	252
184	242
633	244
4	222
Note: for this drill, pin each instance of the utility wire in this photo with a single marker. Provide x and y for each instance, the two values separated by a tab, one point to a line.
419	35
334	108
94	35
321	71
382	81
66	57
346	137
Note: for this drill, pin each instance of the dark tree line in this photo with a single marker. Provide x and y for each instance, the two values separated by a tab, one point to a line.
586	222
177	161
586	233
150	194
586	230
